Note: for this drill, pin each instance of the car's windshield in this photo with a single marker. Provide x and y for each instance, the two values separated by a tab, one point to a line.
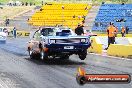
47	31
66	31
56	31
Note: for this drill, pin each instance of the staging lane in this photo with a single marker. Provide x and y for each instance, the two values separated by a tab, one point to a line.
16	46
26	73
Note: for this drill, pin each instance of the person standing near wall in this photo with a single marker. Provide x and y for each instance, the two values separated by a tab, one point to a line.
123	31
127	29
7	22
79	30
14	32
111	31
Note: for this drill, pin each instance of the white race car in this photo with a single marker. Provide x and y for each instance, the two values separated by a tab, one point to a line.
57	42
3	35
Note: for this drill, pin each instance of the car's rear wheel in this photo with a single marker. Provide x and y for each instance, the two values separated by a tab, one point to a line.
33	54
82	57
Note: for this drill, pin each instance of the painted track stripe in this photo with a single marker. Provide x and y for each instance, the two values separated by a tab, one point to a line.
110	56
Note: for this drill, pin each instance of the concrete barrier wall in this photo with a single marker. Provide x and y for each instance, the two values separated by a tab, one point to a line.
120	50
130	40
118	35
96	46
19	33
123	48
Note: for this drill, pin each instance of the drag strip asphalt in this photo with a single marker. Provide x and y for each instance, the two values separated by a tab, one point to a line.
17	70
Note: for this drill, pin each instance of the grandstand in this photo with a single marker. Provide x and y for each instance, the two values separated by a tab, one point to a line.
120	15
60	14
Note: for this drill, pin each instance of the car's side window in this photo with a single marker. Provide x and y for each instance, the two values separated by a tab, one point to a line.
47	31
37	35
44	32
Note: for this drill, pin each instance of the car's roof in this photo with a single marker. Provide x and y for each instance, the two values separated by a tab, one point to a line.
56	27
48	27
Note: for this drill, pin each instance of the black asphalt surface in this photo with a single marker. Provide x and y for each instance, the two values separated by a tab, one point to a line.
18	71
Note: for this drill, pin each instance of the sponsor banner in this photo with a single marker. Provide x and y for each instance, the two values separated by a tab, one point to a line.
83	78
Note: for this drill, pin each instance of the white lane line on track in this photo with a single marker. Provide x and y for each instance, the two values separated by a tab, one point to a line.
110	56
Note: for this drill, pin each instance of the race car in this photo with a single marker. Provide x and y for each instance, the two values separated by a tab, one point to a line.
3	35
57	42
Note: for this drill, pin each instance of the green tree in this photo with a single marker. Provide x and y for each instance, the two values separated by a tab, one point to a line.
123	1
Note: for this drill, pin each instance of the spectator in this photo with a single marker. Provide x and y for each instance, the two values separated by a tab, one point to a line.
103	2
96	24
84	17
74	16
6	31
14	32
83	21
28	19
22	3
45	3
63	7
86	8
127	29
30	3
123	30
15	4
122	3
1	7
42	3
26	4
79	30
7	22
41	9
111	31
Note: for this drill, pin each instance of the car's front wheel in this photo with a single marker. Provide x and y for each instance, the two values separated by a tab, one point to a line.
43	55
83	54
66	57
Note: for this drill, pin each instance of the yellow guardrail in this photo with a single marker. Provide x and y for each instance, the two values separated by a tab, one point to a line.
120	50
96	46
23	33
20	33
